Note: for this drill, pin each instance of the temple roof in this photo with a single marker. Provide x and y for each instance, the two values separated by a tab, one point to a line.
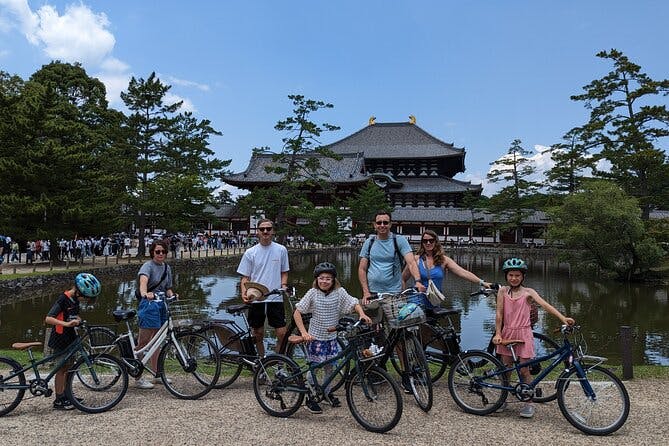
349	169
395	140
451	214
415	185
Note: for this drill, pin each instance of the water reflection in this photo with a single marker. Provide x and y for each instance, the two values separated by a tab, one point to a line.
601	307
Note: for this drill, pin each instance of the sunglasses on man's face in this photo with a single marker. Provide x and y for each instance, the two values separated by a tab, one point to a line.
265	229
382	222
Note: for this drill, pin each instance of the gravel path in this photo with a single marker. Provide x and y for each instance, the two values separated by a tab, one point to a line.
232	416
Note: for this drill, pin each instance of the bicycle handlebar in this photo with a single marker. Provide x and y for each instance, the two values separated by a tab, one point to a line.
486	291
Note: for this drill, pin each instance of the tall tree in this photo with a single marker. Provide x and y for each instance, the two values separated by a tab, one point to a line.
627	126
515	168
66	170
297	164
174	163
572	157
364	204
603	226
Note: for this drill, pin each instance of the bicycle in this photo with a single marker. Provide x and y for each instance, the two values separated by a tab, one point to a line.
95	383
402	337
188	362
441	342
590	397
372	396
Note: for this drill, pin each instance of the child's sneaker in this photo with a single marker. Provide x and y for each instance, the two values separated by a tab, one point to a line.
313	407
62	404
334	401
159	380
527	411
406	383
144	384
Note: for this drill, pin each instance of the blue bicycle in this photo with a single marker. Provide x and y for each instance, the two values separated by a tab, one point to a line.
590	397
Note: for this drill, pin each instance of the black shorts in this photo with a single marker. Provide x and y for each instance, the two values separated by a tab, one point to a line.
276	315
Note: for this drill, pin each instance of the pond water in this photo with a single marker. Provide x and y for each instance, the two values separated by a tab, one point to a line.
600	306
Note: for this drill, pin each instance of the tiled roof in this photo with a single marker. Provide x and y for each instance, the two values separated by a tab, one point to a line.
414	185
349	169
395	140
450	214
225	211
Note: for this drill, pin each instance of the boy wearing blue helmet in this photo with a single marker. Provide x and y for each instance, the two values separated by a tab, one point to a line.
64	316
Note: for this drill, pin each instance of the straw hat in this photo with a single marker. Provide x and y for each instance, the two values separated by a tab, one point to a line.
256	291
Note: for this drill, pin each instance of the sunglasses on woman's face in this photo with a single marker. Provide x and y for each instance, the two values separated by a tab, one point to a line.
159	251
428	241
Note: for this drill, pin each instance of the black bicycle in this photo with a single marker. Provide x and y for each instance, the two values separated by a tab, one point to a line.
400	344
95	382
592	398
442	347
373	397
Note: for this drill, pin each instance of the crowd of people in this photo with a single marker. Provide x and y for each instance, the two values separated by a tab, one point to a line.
387	265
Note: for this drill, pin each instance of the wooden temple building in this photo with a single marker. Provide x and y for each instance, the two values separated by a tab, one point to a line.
416	171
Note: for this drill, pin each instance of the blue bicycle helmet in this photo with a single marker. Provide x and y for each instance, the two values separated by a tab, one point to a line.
325	267
514	264
87	284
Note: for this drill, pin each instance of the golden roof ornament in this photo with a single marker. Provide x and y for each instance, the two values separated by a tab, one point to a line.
372	120
412	119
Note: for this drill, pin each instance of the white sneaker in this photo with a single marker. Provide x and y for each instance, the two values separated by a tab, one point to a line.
144	384
158	380
527	411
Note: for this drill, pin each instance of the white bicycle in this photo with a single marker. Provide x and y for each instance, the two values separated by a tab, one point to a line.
188	362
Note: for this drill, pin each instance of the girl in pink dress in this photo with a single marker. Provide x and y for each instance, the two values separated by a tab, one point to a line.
512	320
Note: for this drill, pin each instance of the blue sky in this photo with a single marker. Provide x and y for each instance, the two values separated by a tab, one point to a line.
477	74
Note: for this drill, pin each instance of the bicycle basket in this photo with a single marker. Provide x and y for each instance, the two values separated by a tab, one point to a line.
185	314
362	341
392	309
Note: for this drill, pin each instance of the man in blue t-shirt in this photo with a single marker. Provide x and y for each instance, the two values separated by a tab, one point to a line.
380	269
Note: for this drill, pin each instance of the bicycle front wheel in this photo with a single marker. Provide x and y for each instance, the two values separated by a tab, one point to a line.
374	399
194	374
603	412
419	374
475	384
98	384
10	392
279	386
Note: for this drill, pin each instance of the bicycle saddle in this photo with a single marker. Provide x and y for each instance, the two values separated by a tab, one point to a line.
123	315
233	309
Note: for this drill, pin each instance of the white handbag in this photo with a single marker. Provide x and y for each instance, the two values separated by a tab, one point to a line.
434	294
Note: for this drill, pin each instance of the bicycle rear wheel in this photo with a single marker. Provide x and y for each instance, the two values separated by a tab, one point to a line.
100	340
436	352
603	413
418	371
193	376
10	395
468	382
374	399
229	349
278	385
98	385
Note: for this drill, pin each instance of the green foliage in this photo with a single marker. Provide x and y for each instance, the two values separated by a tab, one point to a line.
604	227
173	162
364	204
298	165
571	159
62	162
627	128
509	204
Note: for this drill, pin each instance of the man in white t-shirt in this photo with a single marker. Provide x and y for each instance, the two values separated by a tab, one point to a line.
267	264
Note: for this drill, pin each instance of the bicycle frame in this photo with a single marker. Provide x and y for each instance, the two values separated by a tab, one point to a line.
65	355
563	354
144	354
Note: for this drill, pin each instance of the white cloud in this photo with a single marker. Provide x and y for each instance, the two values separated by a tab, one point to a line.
171	80
542	162
17	14
171	98
79	35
